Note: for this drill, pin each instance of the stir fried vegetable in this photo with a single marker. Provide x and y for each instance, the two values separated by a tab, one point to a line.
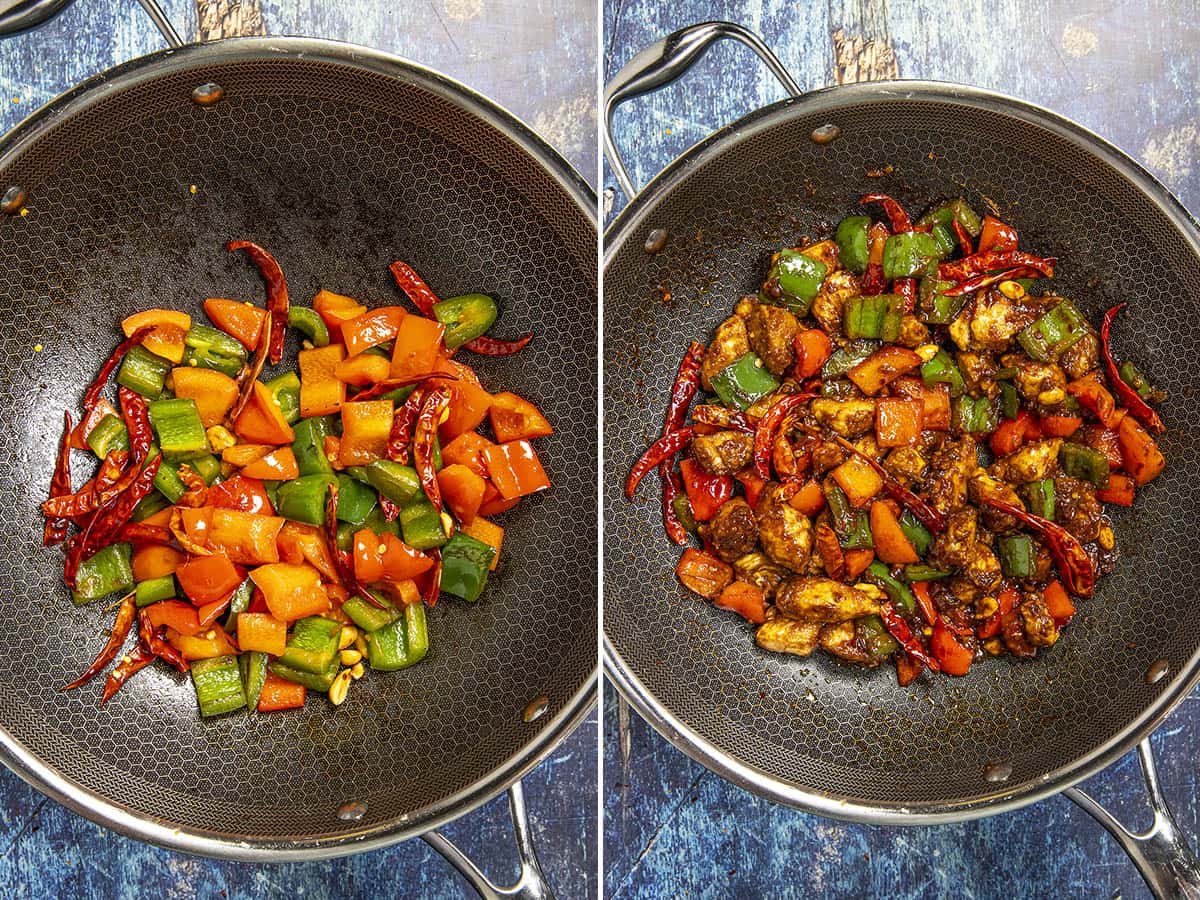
923	447
279	534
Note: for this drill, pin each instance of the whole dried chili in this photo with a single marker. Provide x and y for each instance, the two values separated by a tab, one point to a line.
109	519
119	469
664	448
249	374
277	295
141	533
383	387
154	642
1069	556
130	664
92	395
434	589
670	490
1141	410
389	509
873	281
906	288
403	421
979	282
342	561
764	434
895	212
55	531
485	345
898	628
964	239
683	391
433	405
991	260
120	631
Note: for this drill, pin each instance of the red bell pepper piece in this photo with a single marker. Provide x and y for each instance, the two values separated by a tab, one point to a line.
1059	426
1140	409
1007	600
243	494
1119	490
706	493
751	484
979	282
920	590
207	579
1012	434
964	239
952	656
1058	603
996	235
277	294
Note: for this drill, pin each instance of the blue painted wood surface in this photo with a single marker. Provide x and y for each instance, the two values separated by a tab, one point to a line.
673	829
538	60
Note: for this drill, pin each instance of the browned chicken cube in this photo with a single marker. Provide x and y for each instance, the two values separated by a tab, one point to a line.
733	531
785	532
783	635
813	599
772	334
730	344
723	453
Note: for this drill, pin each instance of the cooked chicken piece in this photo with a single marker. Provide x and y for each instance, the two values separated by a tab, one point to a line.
772	333
960	328
981	485
1081	357
826	455
825	252
996	319
1039	626
729	345
983	569
754	568
955	546
979	373
745	306
906	463
723	453
949	469
962	589
1076	507
913	332
785	532
841	639
784	635
1032	462
1013	630
837	288
849	418
733	531
1042	383
813	599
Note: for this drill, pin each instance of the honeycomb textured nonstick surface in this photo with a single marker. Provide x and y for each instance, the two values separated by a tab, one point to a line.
338	171
814	724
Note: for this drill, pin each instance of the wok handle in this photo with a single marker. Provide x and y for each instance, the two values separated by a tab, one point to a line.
666	60
531	885
1161	854
29	15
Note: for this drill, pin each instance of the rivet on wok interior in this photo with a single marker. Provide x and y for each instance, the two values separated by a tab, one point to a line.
208	94
825	134
352	812
1158	669
997	772
537	706
656	240
13	199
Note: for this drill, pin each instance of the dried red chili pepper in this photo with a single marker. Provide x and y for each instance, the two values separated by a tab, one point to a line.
1141	410
129	665
136	415
415	287
382	387
683	391
433	590
141	533
55	531
120	631
906	288
196	494
670	490
109	519
898	628
664	448
485	345
249	374
990	260
342	561
424	433
964	239
764	434
1069	556
389	509
114	476
403	421
92	395
873	281
980	282
154	642
277	295
895	212
709	414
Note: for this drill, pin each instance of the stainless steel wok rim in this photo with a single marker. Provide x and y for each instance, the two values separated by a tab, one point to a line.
639	213
194	57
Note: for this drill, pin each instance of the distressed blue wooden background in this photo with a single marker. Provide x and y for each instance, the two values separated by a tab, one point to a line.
1129	70
536	58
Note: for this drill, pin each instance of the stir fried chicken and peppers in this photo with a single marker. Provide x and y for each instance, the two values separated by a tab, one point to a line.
924	447
273	535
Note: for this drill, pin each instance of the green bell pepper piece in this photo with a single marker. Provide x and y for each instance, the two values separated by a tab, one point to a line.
920	572
683	511
465	562
944	214
310	324
846	358
946	241
401	643
1017	559
253	668
798	278
1010	403
1133	377
109	571
973	415
312	646
853	244
1040	496
1083	462
108	435
239	603
465	317
918	535
421	524
942	369
303	499
879	644
209	348
180	432
152	503
309	445
355	500
852	526
741	383
908	254
143	371
936	308
399	483
876	317
1053	332
154	589
218	683
286	391
314	681
898	592
367	617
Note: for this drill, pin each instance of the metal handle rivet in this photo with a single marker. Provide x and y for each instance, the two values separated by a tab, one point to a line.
537	706
995	772
1158	669
825	134
208	94
656	240
352	812
13	200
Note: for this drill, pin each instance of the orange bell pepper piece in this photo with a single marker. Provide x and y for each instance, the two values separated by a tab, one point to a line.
244	537
1093	395
213	392
514	417
321	393
515	469
262	421
362	370
278	465
418	345
857	562
170	328
300	543
813	348
858	480
1142	458
175	614
493	503
745	599
488	532
333	448
155	561
462	490
242	321
365	430
371	329
197	523
291	591
261	632
248	495
469	405
279	694
810	499
384	557
898	422
198	646
335	309
466	450
892	545
243	454
206	579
